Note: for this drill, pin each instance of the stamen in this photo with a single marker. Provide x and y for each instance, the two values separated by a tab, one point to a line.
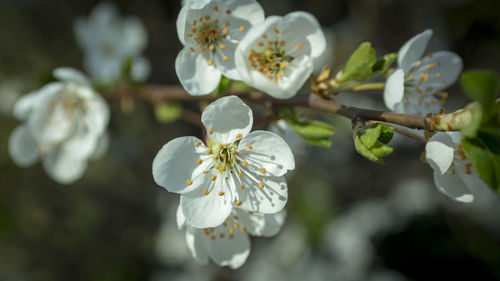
214	177
262	170
244	230
210	131
222	46
216	8
211	48
249	146
276	30
198	144
228	24
221	146
228	11
225	31
199	161
210	151
205	191
244	164
261	185
242	186
239	136
242	28
238	202
189	182
225	58
210	62
221	193
221	235
192	50
299	46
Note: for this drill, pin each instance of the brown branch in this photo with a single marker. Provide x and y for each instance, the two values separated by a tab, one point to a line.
160	93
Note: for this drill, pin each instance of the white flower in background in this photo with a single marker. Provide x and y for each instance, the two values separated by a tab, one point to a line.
276	56
416	86
210	32
64	123
454	175
238	168
109	41
228	244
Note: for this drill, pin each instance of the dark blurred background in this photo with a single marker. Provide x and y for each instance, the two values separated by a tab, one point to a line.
348	218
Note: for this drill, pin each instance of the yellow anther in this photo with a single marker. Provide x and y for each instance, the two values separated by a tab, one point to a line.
198	144
262	170
282	43
261	185
430	66
210	62
212	237
279	75
222	46
225	58
249	146
299	46
242	28
193	30
238	202
195	22
221	146
231	236
221	235
205	191
189	35
438	75
217	167
230	230
276	30
210	151
242	186
411	77
282	65
199	161
419	63
234	152
225	31
264	36
221	193
207	17
211	48
275	81
205	172
236	217
226	178
244	230
239	136
189	182
202	49
228	11
214	177
260	44
228	24
236	225
443	84
192	50
240	175
216	8
244	164
210	131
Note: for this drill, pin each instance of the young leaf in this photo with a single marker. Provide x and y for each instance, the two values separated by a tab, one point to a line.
484	153
370	141
481	86
312	129
384	62
360	63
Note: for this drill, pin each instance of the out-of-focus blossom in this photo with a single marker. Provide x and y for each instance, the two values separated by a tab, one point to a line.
64	122
109	41
210	32
228	244
416	86
276	56
454	174
237	168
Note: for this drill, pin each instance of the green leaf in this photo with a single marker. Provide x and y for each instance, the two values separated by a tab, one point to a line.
360	63
481	86
484	153
312	129
370	141
384	62
323	142
168	112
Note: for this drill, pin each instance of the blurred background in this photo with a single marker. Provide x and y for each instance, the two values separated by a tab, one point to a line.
348	218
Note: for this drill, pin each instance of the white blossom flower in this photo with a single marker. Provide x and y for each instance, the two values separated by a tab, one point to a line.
210	30
228	244
64	122
454	175
276	56
238	168
109	41
416	86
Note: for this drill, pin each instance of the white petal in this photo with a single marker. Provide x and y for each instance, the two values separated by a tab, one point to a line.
394	90
181	220
261	225
133	37
63	167
441	70
269	199
418	101
181	23
268	151
209	210
103	67
227	117
195	75
25	104
97	112
227	67
176	163
249	10
299	25
196	245
453	186
439	152
23	147
413	49
230	252
68	74
140	69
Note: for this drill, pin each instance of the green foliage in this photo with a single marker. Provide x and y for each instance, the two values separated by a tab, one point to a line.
481	139
360	63
312	131
168	112
384	62
371	141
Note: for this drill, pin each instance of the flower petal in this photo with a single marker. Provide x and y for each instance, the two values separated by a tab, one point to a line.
141	69
195	75
208	210
439	152
226	118
394	90
268	198
299	25
413	49
249	10
97	113
23	147
24	106
232	252
181	220
453	186
68	74
176	164
224	60
262	149
63	167
133	37
261	225
197	246
439	71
